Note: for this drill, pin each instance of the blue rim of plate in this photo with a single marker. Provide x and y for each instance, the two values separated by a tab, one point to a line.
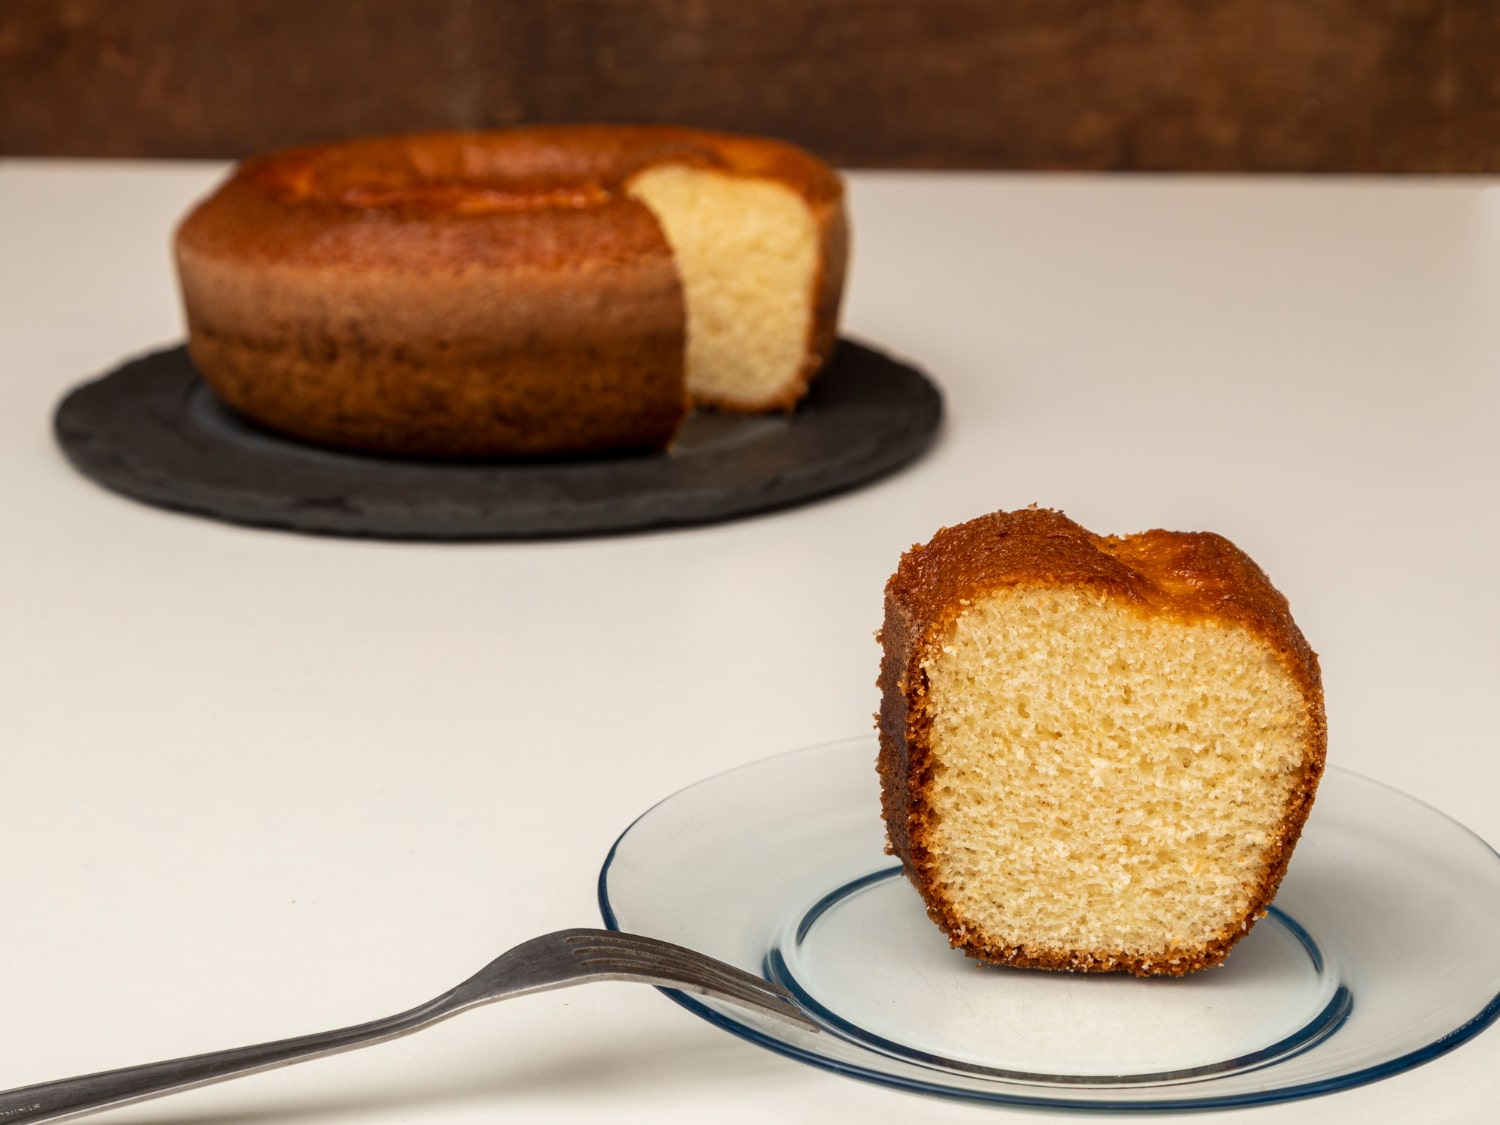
1040	1100
1323	1024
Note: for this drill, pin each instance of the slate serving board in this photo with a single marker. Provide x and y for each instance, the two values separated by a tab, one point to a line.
153	431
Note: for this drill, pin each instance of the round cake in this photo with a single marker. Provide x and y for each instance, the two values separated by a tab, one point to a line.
561	290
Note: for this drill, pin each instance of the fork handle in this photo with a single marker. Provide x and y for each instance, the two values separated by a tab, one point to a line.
48	1101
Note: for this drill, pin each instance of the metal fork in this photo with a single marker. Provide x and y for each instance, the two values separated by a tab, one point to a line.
551	961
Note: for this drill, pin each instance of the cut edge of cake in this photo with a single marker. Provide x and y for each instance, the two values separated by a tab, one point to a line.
750	252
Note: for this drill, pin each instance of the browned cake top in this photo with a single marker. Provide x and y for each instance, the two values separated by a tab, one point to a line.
1187	574
544	195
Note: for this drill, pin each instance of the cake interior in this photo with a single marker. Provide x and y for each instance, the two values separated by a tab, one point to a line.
1106	779
747	251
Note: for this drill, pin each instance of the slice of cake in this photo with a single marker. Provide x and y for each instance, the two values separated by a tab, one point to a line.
1096	753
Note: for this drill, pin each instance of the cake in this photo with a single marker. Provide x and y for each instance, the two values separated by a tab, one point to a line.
1096	753
537	291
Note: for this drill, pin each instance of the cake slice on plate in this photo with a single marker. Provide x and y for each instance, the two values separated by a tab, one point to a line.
1096	753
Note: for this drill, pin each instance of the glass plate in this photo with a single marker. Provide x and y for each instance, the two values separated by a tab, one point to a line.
1375	957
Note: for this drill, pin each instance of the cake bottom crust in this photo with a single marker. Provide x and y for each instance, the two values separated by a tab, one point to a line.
436	399
1167	962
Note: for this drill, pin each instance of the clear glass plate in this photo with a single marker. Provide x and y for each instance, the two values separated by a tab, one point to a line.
1377	955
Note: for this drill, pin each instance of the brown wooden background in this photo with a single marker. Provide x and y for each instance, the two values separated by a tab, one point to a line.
1169	85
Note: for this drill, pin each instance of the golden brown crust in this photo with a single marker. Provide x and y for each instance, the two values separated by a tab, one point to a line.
549	315
1186	575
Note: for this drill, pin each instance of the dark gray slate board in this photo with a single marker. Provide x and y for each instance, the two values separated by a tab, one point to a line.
153	431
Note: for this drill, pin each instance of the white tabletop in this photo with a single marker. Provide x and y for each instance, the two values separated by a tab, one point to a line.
256	784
